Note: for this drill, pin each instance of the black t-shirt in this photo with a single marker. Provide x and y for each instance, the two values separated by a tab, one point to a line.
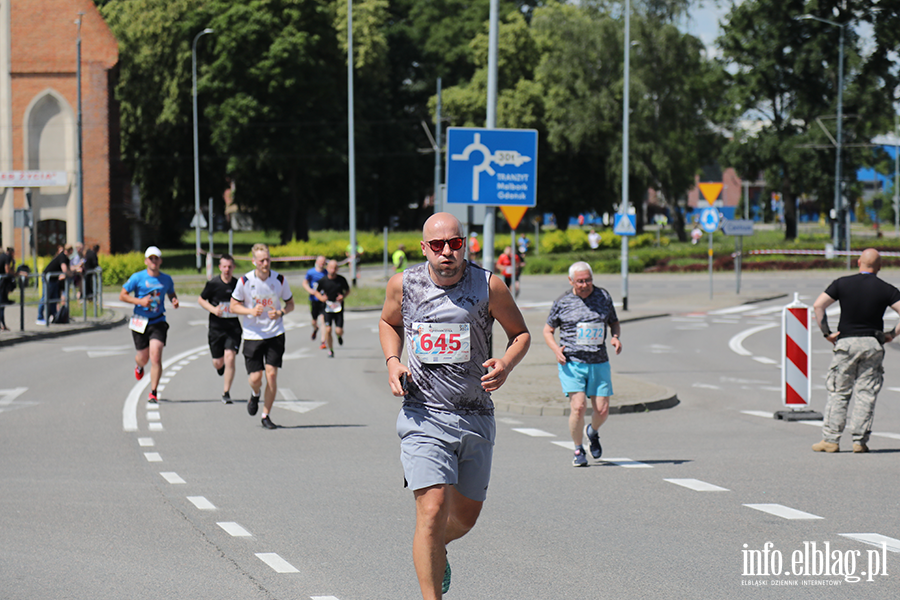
5	260
56	264
90	260
218	292
333	287
863	299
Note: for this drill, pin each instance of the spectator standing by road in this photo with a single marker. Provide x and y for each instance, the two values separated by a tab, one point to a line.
59	268
310	283
593	239
504	266
258	296
147	291
399	259
91	262
583	315
76	265
7	282
332	290
444	309
225	330
857	363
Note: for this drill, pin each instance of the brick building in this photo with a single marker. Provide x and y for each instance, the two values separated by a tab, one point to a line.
39	123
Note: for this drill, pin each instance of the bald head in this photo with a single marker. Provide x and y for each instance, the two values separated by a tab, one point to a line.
441	226
870	261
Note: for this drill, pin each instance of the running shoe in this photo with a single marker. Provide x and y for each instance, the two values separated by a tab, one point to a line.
340	340
139	373
226	398
253	405
580	459
314	332
40	322
594	438
221	370
331	354
268	424
323	346
445	585
153	398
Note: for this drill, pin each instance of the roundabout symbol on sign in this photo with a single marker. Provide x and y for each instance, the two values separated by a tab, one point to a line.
709	219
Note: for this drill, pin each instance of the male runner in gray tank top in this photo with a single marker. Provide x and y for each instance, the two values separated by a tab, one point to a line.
444	309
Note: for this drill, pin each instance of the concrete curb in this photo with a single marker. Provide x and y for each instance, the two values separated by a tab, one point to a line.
668	399
116	320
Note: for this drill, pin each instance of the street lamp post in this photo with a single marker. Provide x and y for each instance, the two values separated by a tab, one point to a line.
79	215
840	129
196	155
625	115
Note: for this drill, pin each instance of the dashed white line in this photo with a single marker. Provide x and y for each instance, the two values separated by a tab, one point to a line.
278	564
706	386
155	426
201	503
145	442
534	432
759	413
785	512
172	477
152	415
697	485
152	456
234	529
323	598
129	409
874	539
627	463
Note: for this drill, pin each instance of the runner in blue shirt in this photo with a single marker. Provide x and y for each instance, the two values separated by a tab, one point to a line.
148	323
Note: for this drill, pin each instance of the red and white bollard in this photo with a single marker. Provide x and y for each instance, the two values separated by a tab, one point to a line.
796	362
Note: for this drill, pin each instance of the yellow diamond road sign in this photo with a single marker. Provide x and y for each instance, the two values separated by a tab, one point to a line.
711	191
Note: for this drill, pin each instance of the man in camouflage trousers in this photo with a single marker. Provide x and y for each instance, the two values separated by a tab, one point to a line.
856	366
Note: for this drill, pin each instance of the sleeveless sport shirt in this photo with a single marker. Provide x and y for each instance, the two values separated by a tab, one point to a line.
446	331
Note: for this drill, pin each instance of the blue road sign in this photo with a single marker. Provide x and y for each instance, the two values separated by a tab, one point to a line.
492	167
625	225
709	219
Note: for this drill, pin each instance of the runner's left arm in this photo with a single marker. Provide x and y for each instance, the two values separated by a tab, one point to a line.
503	308
171	293
390	333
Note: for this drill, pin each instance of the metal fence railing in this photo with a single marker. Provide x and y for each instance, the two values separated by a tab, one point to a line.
90	285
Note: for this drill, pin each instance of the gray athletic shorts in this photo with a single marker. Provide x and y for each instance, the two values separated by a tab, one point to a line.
446	448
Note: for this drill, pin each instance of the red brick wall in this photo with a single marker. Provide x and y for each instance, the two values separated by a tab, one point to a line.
43	55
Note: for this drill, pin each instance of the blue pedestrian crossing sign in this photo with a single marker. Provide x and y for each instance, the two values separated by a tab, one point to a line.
624	225
709	219
492	167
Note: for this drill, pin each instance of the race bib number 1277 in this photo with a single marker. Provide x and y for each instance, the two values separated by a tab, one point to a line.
441	343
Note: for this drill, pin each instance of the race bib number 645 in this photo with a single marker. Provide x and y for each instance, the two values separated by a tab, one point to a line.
441	343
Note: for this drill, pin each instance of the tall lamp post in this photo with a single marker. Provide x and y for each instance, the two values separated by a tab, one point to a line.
79	215
196	155
625	127
840	129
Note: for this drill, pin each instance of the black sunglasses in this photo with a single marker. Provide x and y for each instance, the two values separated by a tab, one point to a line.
454	243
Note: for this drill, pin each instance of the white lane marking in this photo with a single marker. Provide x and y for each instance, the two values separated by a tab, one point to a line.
744	381
706	386
764	360
894	389
234	529
770	388
759	413
166	379
509	421
299	406
287	394
533	432
146	441
296	354
174	370
725	321
105	353
155	426
627	463
736	342
697	485
172	477
160	388
693	328
324	598
874	539
8	396
129	409
278	564
201	503
785	512
764	311
809	422
567	445
731	310
152	415
893	436
152	456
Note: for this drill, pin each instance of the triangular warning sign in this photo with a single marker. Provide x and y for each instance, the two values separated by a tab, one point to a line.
624	226
711	191
513	215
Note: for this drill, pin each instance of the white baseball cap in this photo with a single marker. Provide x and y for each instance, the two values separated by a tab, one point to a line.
152	251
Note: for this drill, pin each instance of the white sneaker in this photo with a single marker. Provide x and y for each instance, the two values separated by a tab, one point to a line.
40	322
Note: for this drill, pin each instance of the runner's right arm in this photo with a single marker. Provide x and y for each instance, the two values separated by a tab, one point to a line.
390	333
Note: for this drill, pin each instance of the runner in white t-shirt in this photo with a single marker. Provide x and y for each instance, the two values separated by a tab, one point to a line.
263	297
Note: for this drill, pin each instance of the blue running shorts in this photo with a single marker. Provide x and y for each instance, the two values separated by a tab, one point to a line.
594	379
446	448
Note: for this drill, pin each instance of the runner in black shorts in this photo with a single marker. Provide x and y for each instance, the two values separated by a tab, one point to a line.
331	291
224	326
310	284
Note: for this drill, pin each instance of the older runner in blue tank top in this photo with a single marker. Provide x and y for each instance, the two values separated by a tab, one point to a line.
584	316
444	309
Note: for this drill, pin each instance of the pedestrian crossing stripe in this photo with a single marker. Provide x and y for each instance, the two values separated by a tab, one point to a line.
624	225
